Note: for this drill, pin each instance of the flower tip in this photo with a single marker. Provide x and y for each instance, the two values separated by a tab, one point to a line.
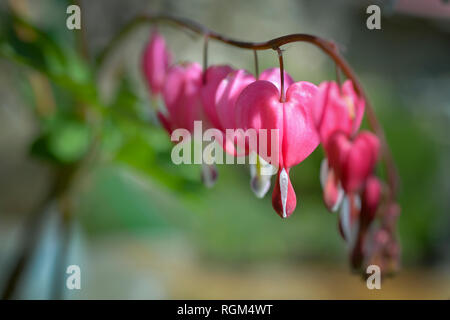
209	175
260	185
332	191
284	200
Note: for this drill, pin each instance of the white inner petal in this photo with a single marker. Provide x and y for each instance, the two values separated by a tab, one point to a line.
323	172
260	185
252	158
345	218
339	198
284	184
208	175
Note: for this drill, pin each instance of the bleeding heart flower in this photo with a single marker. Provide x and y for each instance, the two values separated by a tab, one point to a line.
213	77
155	62
182	97
259	107
226	96
337	109
352	161
370	199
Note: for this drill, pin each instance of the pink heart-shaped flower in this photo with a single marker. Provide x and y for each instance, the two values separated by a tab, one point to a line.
289	128
370	200
155	62
353	161
182	97
337	109
259	107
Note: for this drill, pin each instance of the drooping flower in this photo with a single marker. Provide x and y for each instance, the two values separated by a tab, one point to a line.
183	100
182	97
384	249
259	107
155	62
212	79
337	109
227	94
370	199
352	160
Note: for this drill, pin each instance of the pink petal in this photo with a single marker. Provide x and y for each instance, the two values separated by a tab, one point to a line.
155	62
300	137
182	95
214	75
353	161
227	94
337	151
258	107
370	200
273	75
332	192
337	109
359	103
361	161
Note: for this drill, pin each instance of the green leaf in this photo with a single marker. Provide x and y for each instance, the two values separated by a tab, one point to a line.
70	141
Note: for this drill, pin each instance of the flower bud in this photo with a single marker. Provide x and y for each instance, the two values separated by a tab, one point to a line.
155	62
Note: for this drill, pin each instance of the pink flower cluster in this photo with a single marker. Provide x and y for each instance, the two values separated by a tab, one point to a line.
305	115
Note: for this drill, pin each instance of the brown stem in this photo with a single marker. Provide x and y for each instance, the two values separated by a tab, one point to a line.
205	57
326	46
255	56
338	75
280	59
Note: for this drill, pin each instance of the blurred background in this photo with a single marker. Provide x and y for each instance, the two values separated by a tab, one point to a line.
86	175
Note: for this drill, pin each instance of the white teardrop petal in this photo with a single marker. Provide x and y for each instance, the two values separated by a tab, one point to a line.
260	185
284	185
339	198
209	175
344	218
323	172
